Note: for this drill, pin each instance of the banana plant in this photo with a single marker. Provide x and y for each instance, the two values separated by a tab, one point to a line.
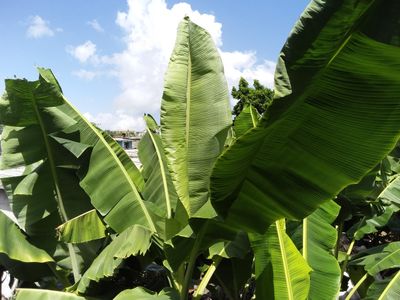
203	202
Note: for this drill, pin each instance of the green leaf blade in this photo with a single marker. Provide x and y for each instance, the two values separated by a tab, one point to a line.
83	228
319	239
316	136
281	271
15	245
37	294
134	240
195	113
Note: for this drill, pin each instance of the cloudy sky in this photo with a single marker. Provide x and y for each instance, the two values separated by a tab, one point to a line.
110	56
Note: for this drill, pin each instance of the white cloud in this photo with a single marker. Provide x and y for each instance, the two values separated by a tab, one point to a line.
83	52
117	121
85	74
95	25
244	64
39	28
149	35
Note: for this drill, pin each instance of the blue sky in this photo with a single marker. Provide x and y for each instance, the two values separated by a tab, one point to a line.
110	56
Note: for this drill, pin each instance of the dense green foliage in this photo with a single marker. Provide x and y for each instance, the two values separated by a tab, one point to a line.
258	96
231	211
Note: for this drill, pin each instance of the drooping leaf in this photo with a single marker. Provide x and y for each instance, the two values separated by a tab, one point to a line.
18	255
281	271
37	294
134	240
248	118
379	258
126	161
195	113
385	290
239	247
83	228
111	179
371	225
235	267
319	239
158	188
334	117
15	245
143	294
390	197
47	193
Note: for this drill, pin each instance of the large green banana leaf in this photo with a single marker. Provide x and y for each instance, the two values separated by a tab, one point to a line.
334	117
111	179
37	294
281	271
132	241
233	261
319	239
143	294
385	290
158	188
195	113
17	253
83	228
48	192
248	118
14	244
379	258
390	197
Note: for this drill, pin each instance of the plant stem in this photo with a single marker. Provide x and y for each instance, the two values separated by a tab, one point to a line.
204	282
192	262
339	235
349	250
346	260
354	289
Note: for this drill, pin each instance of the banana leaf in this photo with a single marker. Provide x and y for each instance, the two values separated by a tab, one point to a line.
19	256
195	113
159	188
248	118
111	179
143	294
387	289
319	239
48	192
389	197
379	258
335	115
37	294
81	229
134	240
281	272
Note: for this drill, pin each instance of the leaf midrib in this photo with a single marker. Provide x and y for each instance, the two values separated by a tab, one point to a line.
163	175
187	121
284	259
63	214
59	198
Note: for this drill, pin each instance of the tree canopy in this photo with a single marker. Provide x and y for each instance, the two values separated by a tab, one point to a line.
259	96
